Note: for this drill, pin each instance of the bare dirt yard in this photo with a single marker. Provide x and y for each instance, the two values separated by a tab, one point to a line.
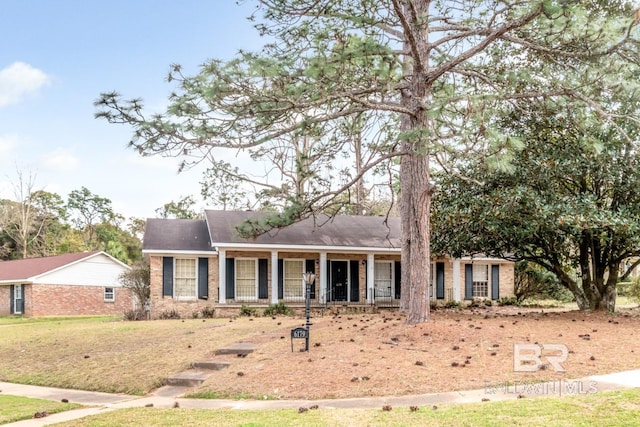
350	354
379	354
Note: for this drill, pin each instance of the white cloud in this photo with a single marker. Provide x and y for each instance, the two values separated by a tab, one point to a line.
19	80
60	161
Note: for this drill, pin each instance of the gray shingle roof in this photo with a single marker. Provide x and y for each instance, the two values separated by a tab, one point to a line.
176	235
322	230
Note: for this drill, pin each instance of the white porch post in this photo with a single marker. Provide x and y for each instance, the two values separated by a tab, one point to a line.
456	280
274	277
222	276
324	278
370	273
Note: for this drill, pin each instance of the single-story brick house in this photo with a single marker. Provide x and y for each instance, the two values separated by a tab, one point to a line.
356	260
84	283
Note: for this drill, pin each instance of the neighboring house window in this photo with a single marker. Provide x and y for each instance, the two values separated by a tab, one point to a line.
480	281
18	302
293	283
383	279
185	278
246	279
109	294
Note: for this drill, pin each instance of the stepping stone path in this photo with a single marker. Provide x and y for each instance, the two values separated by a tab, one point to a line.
203	369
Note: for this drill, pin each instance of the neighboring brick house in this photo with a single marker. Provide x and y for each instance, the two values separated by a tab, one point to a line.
356	260
84	283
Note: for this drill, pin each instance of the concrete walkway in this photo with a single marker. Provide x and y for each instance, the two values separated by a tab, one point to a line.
166	397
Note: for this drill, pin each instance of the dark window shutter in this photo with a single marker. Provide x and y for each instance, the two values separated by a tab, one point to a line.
11	298
495	282
167	276
468	281
355	280
310	267
280	279
230	278
263	278
440	280
398	274
203	278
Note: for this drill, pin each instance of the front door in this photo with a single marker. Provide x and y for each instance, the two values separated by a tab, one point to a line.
339	284
18	299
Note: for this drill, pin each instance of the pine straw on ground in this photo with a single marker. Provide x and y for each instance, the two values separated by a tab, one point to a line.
379	354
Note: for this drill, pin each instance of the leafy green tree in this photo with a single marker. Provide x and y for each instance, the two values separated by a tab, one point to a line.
119	243
51	213
569	203
7	244
25	220
182	209
427	73
532	281
87	210
136	227
221	186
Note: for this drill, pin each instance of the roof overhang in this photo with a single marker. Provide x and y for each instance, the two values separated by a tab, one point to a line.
16	282
484	259
304	248
170	252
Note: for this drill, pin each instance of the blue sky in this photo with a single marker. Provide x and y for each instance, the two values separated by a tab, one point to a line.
57	56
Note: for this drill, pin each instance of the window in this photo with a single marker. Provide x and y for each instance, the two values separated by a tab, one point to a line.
246	279
383	279
109	294
293	283
18	303
432	281
185	280
480	281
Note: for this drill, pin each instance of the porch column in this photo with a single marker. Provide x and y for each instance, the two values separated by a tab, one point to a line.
222	276
324	278
274	277
370	273
456	280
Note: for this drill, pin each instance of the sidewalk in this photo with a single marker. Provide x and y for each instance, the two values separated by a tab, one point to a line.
166	397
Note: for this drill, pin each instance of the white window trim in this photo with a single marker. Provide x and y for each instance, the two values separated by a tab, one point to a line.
113	294
15	298
235	278
393	279
195	288
432	282
473	281
284	277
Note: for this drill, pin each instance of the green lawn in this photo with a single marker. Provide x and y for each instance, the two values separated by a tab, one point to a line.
14	408
621	408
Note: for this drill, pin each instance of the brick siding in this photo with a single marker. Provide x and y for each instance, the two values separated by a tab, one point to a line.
61	300
5	303
188	308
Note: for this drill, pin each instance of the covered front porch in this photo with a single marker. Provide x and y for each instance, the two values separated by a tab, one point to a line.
256	278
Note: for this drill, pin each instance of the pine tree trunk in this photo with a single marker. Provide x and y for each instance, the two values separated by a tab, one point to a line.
416	201
415	198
